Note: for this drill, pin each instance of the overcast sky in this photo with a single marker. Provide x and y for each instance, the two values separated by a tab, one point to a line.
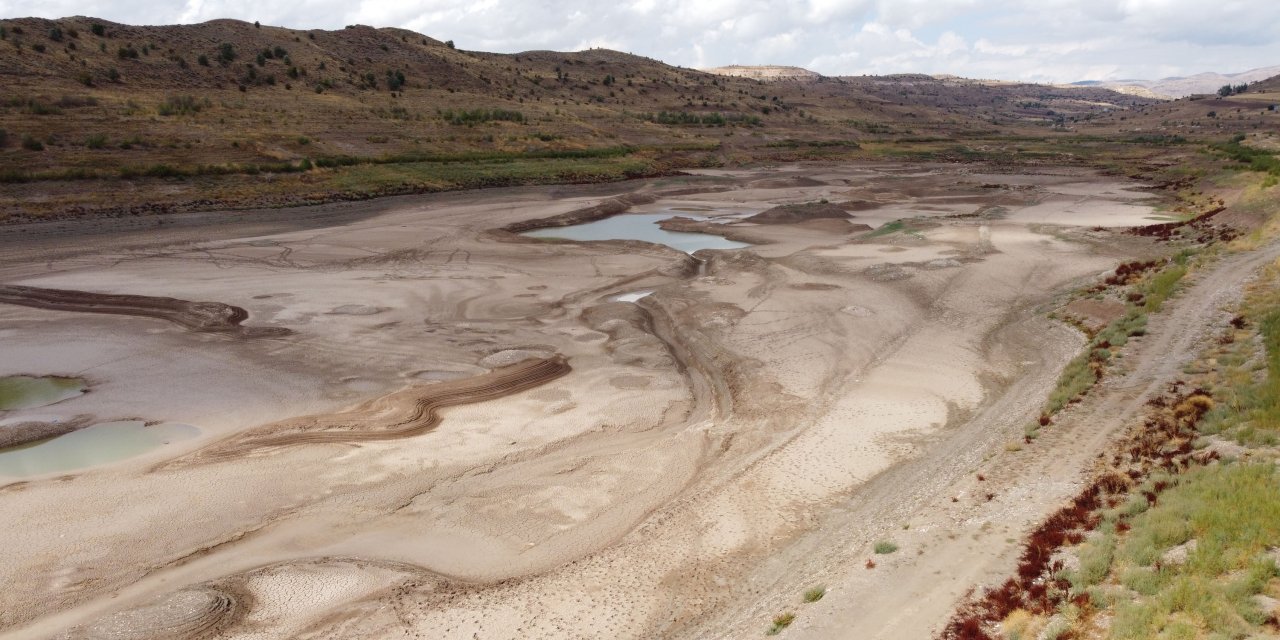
1045	40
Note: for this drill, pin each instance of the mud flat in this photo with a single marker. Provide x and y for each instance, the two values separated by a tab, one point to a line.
453	430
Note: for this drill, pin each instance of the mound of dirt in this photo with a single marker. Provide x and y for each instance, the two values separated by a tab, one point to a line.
792	213
785	183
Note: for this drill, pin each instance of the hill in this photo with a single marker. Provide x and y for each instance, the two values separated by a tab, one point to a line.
232	114
765	72
1181	87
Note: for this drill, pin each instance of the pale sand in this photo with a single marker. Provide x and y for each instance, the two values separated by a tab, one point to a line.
706	431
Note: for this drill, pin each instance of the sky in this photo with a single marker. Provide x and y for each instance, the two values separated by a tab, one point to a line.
1042	41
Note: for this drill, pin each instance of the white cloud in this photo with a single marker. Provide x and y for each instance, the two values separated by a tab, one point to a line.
1046	40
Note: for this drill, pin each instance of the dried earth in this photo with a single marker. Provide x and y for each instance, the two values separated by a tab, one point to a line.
455	431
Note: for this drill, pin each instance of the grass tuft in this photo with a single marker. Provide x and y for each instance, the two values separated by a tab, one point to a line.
885	547
780	622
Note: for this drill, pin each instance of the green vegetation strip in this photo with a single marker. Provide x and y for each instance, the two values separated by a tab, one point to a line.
1248	409
307	164
1232	513
1188	553
1249	157
1086	369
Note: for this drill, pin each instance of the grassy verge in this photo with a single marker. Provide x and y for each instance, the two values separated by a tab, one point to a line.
1172	540
163	170
318	186
1246	381
1147	293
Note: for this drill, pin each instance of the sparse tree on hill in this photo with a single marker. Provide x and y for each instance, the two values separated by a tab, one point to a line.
226	53
1225	90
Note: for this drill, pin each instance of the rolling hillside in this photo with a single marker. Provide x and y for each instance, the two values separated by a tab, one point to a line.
252	115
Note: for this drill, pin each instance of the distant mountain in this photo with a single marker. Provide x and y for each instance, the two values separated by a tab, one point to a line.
764	72
1179	87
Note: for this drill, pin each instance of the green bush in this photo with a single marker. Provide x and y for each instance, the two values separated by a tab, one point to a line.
31	144
96	141
181	105
475	116
226	53
714	119
395	80
884	547
203	60
781	622
98	30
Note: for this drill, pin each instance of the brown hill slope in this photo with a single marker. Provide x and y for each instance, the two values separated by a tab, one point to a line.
234	114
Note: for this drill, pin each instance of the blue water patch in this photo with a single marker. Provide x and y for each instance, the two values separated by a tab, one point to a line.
642	226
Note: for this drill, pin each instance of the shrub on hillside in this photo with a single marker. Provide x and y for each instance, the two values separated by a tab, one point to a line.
395	80
98	30
226	53
31	144
474	116
181	105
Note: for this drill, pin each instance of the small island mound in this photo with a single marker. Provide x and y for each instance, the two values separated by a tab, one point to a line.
792	213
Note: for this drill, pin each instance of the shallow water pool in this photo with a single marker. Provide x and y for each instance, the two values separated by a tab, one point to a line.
99	444
639	226
26	392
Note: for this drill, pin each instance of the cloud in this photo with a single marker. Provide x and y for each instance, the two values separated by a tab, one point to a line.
1048	40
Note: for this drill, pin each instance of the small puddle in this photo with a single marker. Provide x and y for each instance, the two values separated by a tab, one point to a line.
639	226
26	392
99	444
634	296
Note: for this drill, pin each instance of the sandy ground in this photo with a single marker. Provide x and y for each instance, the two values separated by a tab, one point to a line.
744	432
